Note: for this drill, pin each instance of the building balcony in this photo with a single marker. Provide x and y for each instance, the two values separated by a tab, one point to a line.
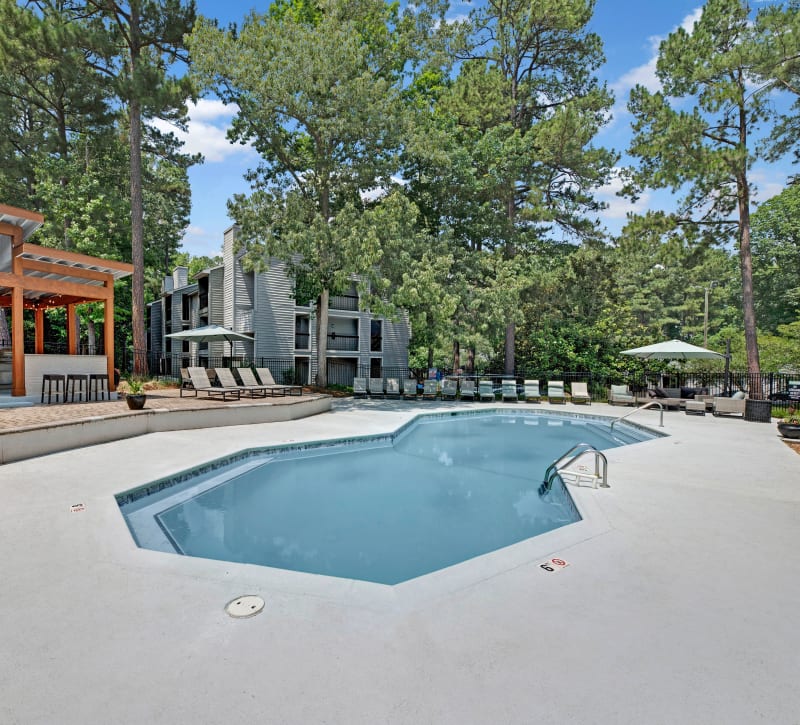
343	342
348	303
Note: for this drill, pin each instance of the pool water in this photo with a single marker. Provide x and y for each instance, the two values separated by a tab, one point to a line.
444	490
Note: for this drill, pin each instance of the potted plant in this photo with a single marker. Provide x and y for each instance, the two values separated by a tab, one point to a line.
135	396
789	427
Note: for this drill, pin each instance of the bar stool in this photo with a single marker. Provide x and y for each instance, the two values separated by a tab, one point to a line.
59	382
98	385
77	382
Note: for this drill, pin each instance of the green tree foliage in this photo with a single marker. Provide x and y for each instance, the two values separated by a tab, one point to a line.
776	259
530	105
707	148
319	97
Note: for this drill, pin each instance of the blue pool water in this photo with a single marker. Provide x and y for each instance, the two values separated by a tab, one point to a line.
444	490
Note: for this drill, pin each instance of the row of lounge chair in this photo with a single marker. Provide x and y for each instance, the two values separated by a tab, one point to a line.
197	380
466	390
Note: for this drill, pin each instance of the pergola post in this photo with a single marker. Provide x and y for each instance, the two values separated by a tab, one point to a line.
39	322
17	308
108	333
72	331
17	343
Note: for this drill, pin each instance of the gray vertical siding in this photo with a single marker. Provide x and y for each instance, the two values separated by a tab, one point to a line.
216	306
273	323
395	342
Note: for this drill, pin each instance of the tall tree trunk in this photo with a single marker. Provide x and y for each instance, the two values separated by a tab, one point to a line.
509	356
471	360
746	266
322	338
456	356
91	337
430	358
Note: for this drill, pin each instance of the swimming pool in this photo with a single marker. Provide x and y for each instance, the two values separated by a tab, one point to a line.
443	489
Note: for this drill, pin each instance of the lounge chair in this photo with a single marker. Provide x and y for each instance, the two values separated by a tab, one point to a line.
265	376
580	394
186	383
620	395
376	387
510	391
530	391
430	389
467	390
202	384
409	389
449	389
392	388
249	379
360	388
485	390
555	391
227	380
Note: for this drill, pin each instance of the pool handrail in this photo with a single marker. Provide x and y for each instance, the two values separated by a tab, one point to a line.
642	407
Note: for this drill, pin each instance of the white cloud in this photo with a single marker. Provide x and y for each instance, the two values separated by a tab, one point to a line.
768	182
619	207
645	74
209	121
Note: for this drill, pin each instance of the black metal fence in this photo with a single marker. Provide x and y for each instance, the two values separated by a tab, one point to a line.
770	386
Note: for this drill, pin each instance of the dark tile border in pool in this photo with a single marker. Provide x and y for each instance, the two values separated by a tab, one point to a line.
134	494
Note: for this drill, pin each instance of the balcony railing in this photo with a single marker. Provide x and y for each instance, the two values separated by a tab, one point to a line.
342	342
343	302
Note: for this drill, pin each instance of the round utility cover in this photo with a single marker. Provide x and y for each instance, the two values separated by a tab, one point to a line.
245	606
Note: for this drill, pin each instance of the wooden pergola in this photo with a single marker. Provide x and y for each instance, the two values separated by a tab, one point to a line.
39	278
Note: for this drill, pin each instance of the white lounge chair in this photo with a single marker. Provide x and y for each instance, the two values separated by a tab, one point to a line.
530	391
485	390
202	384
467	390
430	389
555	391
265	376
510	391
449	389
620	395
376	387
360	388
409	389
392	388
227	380
248	378
580	394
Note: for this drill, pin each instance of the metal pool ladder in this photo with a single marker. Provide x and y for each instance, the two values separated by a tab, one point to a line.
558	466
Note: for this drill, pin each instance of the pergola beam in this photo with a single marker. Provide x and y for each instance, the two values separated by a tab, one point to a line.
30	283
70	278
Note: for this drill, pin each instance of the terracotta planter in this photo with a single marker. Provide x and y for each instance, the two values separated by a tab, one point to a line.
789	430
135	402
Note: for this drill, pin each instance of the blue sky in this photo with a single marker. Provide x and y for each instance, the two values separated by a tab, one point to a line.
631	31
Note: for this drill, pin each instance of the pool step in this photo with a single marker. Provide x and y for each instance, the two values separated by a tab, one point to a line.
580	478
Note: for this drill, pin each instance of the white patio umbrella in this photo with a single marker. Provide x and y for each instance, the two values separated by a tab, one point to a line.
672	350
211	333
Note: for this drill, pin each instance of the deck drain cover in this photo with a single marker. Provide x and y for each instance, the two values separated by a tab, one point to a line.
246	606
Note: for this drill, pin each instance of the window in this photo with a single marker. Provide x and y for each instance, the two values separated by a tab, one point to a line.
376	336
375	367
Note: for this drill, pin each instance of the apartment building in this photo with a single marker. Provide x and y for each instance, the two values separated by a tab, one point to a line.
263	305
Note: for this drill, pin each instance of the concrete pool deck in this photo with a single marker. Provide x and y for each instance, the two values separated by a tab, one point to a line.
680	605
